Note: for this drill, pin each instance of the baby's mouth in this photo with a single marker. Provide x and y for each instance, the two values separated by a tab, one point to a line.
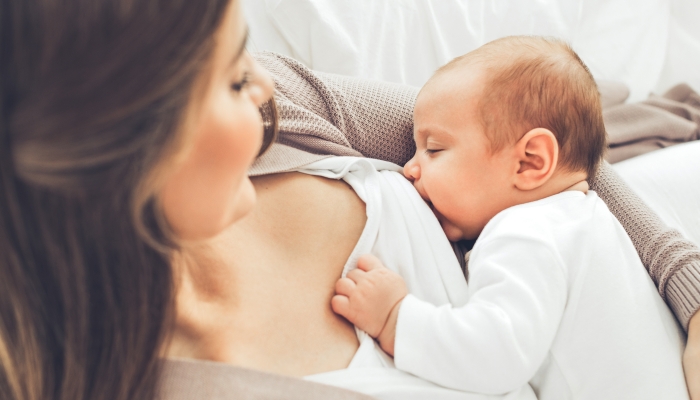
429	203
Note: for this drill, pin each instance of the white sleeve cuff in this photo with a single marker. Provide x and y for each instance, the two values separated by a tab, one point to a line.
410	333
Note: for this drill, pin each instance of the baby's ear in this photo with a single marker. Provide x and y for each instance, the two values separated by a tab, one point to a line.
538	154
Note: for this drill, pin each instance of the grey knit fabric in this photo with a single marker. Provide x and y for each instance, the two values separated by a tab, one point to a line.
323	115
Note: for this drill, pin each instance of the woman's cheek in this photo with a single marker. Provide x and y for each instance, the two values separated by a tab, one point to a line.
243	203
211	189
239	140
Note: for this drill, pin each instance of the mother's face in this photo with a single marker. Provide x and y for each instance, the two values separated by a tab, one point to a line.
208	189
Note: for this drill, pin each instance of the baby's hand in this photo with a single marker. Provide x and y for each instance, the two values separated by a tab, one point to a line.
368	294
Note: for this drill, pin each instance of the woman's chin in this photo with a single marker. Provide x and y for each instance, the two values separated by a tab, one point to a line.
244	201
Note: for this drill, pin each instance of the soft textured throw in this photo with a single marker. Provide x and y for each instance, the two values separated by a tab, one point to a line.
658	122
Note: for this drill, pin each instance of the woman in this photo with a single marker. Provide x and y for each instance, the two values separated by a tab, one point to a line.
127	131
103	142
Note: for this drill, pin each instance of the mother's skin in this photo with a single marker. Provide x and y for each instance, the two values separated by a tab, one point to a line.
253	288
258	295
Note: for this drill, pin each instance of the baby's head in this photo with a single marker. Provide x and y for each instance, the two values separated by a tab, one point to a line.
516	120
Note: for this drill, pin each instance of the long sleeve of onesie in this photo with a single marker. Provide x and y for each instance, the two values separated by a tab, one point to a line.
497	341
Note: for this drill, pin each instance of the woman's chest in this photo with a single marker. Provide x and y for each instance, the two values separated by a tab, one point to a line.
285	258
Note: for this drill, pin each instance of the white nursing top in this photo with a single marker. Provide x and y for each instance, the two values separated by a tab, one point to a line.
403	232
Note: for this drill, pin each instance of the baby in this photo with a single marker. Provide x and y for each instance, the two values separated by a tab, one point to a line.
506	138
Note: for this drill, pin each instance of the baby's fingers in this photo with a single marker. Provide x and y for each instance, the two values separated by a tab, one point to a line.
356	275
345	286
368	262
341	305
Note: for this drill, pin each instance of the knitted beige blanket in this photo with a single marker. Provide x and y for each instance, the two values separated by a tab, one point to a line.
658	122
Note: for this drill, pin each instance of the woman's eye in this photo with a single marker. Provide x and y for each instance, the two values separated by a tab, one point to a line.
240	85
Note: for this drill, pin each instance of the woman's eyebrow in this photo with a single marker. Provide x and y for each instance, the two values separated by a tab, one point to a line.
241	48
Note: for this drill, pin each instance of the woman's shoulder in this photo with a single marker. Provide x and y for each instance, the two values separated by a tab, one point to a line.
192	379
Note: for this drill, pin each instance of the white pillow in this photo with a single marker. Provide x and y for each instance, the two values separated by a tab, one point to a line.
683	51
404	41
668	180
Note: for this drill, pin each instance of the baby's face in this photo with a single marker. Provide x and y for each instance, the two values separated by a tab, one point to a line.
453	168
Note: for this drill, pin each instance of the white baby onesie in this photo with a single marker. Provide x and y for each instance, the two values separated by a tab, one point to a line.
558	298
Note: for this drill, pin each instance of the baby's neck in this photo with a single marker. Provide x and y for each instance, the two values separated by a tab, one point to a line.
558	183
563	182
581	186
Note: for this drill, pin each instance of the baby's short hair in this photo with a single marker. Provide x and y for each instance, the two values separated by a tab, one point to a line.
535	82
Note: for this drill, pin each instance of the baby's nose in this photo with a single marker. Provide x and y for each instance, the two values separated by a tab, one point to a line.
411	170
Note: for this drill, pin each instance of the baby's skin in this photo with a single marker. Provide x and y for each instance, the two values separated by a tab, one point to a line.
370	297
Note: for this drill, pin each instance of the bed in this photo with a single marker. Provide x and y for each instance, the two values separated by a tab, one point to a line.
646	45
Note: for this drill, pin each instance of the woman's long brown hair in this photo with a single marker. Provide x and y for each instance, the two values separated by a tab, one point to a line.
93	93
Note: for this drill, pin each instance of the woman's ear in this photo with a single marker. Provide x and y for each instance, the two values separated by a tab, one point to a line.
538	154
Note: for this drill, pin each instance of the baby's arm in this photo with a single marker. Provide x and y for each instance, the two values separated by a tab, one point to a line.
493	344
369	297
496	342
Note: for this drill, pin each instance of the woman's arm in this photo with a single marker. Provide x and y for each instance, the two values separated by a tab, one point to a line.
324	114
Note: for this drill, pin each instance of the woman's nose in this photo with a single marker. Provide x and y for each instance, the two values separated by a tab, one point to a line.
411	170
